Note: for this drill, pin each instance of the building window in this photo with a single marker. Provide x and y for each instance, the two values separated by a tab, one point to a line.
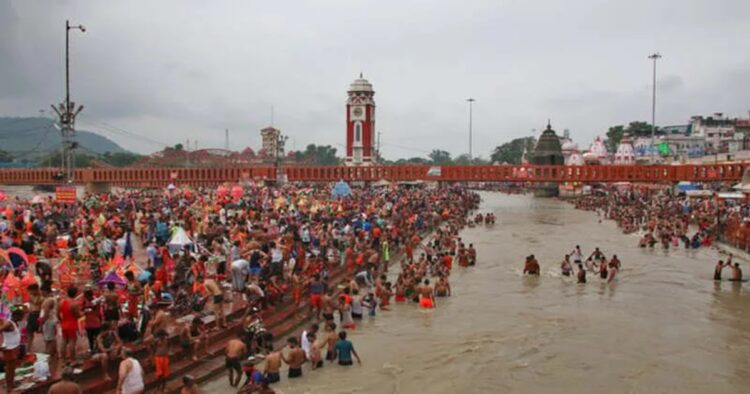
358	132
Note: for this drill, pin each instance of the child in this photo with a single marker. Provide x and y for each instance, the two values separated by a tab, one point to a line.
371	303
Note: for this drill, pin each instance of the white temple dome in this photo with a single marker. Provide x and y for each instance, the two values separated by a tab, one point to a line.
625	154
598	148
569	146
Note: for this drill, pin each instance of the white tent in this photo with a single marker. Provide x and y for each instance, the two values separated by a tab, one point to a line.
179	240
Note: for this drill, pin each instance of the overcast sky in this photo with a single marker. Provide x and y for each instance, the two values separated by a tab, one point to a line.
177	70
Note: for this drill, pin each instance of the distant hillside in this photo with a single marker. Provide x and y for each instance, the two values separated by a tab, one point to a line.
31	138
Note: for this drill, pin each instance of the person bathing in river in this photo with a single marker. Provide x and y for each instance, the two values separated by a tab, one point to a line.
565	266
581	274
717	271
442	287
531	267
577	255
427	297
736	273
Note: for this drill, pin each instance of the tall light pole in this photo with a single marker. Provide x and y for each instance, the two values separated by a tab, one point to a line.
471	102
67	113
656	56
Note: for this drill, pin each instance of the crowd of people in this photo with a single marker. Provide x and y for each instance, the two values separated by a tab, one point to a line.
596	264
673	220
126	269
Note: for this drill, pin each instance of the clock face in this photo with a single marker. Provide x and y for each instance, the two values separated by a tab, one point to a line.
357	111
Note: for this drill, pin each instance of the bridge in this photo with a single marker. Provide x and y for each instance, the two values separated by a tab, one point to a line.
207	176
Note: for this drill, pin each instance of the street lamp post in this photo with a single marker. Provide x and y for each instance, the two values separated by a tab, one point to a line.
471	102
67	113
653	57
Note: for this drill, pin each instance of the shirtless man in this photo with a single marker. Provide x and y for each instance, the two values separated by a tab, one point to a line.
427	296
314	355
442	287
66	385
295	358
236	351
161	358
192	336
218	301
328	305
109	345
162	321
565	266
719	267
736	273
111	304
273	365
330	343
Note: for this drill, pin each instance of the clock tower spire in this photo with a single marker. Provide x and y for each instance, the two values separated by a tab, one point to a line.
360	123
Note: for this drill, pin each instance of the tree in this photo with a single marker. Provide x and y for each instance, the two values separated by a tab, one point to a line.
121	159
440	157
5	156
324	155
635	129
176	147
512	152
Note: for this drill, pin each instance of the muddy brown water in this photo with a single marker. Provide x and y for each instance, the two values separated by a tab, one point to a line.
665	326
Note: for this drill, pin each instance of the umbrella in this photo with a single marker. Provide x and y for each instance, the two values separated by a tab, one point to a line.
17	256
112	277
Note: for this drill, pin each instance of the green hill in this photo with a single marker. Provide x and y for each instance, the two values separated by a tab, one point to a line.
27	139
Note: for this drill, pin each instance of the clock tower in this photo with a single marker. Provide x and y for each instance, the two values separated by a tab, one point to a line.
360	123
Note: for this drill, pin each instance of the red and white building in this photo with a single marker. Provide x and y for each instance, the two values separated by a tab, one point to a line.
360	124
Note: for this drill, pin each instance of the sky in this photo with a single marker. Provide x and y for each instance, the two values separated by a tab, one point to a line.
152	73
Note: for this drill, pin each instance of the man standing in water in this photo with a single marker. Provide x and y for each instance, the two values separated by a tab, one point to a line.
345	349
577	255
719	267
273	365
427	296
736	273
295	358
581	274
565	266
531	267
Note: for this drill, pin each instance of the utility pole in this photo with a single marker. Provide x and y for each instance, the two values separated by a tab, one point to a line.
378	154
226	139
471	102
656	56
67	112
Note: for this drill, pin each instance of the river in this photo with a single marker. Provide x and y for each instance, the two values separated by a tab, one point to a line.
665	326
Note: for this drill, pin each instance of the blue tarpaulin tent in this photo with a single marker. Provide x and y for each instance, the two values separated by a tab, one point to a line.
341	189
